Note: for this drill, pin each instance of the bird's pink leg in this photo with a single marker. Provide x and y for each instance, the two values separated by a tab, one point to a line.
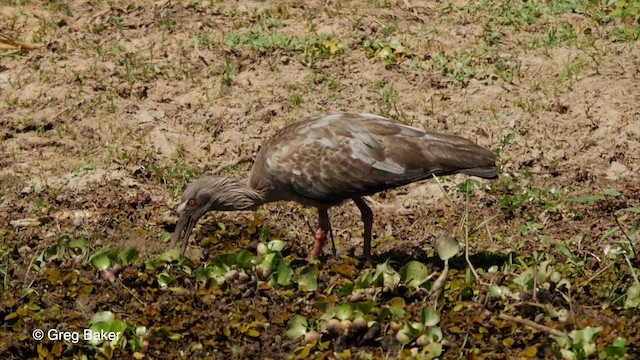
324	228
367	219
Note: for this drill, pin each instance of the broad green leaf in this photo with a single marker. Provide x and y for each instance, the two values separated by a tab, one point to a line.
101	261
585	335
414	274
297	327
633	297
432	350
78	243
203	274
244	259
276	245
164	278
447	247
435	333
102	316
495	291
344	311
228	259
128	255
307	280
170	255
284	273
365	307
396	306
429	317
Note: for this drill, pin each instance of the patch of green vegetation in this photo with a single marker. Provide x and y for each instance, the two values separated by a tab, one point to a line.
263	41
296	99
562	35
227	75
174	175
390	52
459	66
320	48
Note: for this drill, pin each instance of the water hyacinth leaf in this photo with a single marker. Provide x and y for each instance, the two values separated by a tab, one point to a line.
435	333
344	311
164	278
102	261
495	291
78	243
408	332
414	274
284	272
432	350
346	290
365	307
633	297
524	280
429	317
385	53
297	327
329	310
228	260
203	274
118	327
244	259
170	255
276	245
102	317
50	252
308	280
585	335
615	350
396	307
385	275
128	255
364	280
447	247
100	327
141	330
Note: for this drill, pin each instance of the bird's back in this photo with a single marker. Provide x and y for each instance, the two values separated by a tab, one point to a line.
327	158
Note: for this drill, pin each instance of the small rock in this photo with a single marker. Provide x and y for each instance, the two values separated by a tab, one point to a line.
616	171
25	250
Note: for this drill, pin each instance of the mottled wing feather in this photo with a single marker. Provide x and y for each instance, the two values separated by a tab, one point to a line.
332	157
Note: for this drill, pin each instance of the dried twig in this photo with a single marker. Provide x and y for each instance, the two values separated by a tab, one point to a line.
7	43
533	324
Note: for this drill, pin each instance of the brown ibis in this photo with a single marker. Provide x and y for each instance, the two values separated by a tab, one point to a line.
325	159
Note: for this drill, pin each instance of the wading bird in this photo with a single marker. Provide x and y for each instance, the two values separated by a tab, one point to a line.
326	159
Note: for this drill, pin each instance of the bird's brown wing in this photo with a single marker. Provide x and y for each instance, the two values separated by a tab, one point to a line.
333	157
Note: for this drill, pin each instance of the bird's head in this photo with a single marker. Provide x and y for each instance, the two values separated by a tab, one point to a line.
211	193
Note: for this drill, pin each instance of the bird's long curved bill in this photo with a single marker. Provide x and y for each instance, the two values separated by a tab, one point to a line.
182	232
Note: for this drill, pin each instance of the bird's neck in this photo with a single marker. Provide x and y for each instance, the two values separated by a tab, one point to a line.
237	195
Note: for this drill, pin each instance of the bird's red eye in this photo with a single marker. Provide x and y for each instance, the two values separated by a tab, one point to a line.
191	202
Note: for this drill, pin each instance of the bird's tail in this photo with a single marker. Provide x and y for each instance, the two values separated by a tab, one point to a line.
487	172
